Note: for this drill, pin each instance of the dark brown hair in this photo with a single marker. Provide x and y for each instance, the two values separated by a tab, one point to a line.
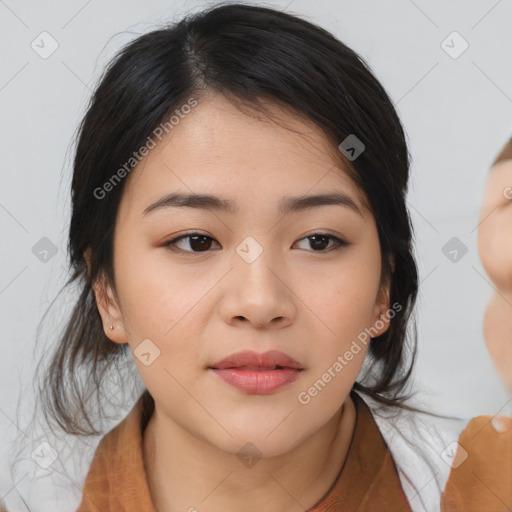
249	54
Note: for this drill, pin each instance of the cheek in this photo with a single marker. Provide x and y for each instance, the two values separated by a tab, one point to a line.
347	294
344	309
155	293
161	303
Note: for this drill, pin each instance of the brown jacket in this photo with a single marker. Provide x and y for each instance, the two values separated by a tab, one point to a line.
480	479
481	482
368	481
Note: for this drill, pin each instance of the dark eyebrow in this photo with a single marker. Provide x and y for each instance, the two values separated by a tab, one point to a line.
287	205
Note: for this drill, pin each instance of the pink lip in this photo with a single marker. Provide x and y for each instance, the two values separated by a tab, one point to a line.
258	373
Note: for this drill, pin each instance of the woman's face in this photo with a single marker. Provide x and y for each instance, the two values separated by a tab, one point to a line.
255	282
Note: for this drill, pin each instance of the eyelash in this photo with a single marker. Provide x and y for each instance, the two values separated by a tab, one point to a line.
171	244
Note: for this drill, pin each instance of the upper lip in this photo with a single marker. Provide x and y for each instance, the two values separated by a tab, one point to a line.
267	360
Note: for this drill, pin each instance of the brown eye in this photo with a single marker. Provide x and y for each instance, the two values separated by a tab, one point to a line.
319	242
197	242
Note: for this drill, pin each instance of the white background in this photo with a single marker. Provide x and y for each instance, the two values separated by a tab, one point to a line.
457	114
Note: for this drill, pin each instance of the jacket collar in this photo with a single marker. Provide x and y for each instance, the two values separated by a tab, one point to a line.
368	480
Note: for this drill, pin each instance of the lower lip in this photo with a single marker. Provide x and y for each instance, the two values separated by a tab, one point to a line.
257	381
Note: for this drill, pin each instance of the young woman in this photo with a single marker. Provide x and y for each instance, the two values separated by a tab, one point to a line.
239	230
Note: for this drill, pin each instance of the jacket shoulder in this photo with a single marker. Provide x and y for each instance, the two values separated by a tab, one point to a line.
481	475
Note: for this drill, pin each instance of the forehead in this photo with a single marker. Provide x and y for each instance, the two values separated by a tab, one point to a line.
219	148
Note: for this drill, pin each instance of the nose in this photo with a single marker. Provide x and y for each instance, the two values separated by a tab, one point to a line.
258	293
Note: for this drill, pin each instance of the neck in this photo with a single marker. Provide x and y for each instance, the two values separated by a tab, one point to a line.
185	472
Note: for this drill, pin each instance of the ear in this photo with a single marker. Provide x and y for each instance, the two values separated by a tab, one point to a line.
381	317
108	307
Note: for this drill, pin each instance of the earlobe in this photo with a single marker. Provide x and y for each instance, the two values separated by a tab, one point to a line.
381	318
381	323
110	312
116	333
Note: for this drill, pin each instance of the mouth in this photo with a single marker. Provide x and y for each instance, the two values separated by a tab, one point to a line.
256	373
249	360
259	381
259	368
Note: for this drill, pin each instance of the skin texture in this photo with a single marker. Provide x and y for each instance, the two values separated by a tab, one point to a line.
495	248
199	307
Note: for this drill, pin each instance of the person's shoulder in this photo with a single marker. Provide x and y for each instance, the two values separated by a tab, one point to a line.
420	444
481	475
422	432
117	467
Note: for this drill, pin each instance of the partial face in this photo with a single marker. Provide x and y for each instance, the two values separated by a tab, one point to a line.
495	248
495	228
203	282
